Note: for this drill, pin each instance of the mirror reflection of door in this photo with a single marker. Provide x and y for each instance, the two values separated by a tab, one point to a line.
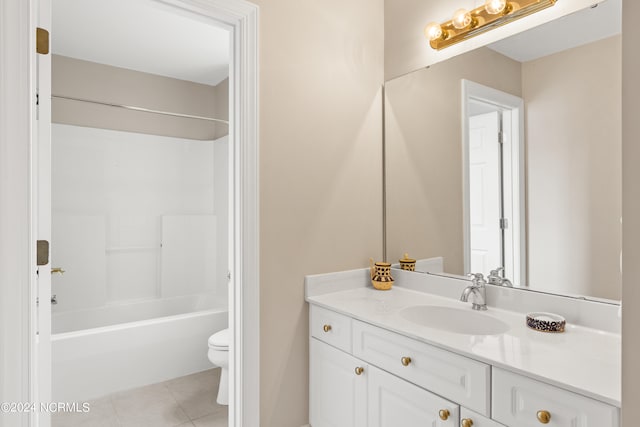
493	147
485	191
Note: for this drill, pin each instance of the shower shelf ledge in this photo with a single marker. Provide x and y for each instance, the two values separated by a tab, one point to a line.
132	248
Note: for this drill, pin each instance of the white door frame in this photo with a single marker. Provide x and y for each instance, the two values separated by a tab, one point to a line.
513	127
18	214
18	242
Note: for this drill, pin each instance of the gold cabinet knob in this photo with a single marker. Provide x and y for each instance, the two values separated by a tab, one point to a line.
544	417
405	361
326	328
359	370
466	422
444	414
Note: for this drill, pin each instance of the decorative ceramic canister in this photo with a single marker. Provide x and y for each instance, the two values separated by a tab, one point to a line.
407	263
381	275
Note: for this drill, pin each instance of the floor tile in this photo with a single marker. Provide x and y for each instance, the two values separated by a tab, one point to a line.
196	393
101	414
152	406
219	419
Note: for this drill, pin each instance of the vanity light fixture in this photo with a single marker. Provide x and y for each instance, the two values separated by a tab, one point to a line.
466	24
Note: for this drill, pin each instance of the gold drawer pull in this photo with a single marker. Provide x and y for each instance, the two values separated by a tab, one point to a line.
466	422
359	370
544	417
57	270
444	414
326	328
405	361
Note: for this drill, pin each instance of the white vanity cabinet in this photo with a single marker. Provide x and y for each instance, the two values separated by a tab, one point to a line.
464	381
363	375
346	392
469	418
394	402
524	402
338	387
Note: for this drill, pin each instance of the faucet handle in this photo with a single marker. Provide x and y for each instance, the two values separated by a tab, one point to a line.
497	272
477	278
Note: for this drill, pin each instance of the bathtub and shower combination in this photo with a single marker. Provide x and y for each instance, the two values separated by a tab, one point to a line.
145	256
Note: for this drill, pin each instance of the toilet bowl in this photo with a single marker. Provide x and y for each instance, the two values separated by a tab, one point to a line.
219	356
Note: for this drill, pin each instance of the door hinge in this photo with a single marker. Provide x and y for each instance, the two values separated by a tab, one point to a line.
42	41
42	249
501	137
504	223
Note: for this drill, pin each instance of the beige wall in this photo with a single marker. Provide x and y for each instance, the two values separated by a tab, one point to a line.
321	70
221	107
424	152
574	181
630	212
89	80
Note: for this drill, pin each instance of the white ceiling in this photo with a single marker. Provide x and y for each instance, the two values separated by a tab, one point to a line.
141	35
570	31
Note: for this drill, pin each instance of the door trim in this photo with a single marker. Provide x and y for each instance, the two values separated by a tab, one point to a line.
18	215
18	243
515	126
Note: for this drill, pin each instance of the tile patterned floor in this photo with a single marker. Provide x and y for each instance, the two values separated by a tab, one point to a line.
181	402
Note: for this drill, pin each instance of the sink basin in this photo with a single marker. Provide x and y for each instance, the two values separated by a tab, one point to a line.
456	320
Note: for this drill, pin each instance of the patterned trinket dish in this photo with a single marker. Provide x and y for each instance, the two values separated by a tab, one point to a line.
546	322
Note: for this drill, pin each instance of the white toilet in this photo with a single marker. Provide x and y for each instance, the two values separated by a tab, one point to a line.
219	356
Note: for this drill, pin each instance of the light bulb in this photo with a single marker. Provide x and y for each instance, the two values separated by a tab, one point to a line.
461	18
493	7
433	31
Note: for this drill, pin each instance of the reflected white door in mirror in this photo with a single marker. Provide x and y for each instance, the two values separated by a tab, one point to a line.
372	366
493	183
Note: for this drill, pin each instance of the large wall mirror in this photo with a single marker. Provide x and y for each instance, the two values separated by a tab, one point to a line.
508	159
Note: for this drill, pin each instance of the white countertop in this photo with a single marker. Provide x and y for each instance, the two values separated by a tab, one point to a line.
583	360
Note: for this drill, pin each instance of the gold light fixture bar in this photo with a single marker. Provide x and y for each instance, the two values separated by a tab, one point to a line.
482	21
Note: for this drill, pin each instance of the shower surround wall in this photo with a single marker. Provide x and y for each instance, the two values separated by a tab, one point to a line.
139	200
135	217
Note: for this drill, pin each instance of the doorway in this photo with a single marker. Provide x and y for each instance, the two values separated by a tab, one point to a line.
140	173
241	19
494	197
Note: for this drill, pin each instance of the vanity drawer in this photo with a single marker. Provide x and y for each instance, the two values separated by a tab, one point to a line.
330	327
476	419
518	400
454	377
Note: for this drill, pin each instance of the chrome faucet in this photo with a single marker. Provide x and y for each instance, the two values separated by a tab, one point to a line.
495	278
478	289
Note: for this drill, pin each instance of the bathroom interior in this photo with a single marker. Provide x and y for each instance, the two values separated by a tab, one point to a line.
497	300
140	215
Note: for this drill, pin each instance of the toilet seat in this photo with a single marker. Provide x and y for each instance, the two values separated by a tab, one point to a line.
220	340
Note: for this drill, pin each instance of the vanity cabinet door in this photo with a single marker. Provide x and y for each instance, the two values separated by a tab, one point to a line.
519	401
473	419
393	402
338	389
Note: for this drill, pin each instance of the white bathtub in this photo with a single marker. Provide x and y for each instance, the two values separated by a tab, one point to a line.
94	353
